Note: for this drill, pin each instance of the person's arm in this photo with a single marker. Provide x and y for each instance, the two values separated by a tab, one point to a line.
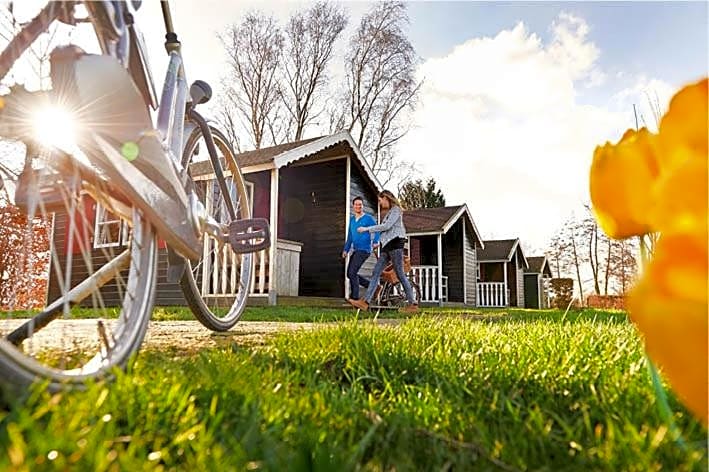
390	220
375	240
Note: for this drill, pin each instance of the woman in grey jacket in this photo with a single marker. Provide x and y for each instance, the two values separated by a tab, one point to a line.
391	239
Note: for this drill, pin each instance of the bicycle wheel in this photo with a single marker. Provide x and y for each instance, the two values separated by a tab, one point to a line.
76	279
395	295
216	288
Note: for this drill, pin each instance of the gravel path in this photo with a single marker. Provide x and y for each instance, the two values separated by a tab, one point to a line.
191	335
188	336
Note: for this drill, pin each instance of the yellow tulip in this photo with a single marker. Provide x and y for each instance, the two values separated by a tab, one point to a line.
659	183
681	198
669	306
683	129
622	204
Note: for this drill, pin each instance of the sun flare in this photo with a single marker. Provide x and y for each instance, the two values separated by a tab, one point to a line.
55	127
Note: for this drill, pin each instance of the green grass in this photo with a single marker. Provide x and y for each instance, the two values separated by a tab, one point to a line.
492	390
298	314
266	313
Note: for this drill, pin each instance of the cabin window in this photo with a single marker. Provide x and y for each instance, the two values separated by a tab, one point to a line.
109	230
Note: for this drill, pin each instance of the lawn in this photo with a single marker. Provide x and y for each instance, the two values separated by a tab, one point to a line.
446	390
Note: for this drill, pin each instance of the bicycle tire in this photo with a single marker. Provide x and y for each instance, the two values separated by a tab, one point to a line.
18	368
204	292
60	354
395	296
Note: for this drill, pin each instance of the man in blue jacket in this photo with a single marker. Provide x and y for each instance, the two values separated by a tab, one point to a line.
361	243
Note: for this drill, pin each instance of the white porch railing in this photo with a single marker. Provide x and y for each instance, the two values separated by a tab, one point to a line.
221	270
492	294
427	279
259	274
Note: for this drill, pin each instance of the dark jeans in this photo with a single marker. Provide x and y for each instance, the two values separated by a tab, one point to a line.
356	260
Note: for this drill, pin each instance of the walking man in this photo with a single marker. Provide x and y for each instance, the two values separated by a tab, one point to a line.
361	245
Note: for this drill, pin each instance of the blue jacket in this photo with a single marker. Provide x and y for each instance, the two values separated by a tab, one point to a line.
360	241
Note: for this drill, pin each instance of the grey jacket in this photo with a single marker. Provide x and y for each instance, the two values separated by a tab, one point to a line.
391	227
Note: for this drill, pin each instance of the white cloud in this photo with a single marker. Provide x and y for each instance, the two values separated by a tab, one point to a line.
650	97
570	46
500	126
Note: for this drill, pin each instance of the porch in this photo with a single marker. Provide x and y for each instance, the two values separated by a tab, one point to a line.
219	273
492	294
434	289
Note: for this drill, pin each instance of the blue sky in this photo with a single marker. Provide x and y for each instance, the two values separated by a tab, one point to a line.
516	94
523	169
663	40
667	40
517	142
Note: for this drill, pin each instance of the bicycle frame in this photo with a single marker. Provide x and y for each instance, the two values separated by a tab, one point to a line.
149	187
176	219
156	182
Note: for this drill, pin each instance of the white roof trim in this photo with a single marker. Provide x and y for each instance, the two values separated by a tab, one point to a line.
545	263
454	218
514	248
424	233
510	254
295	154
257	168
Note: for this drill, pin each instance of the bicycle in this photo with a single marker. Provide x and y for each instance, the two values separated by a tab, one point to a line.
130	168
392	293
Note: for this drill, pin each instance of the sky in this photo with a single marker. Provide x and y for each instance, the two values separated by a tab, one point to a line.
515	96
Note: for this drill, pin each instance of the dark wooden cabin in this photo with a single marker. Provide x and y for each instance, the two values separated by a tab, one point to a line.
443	245
536	283
303	188
501	280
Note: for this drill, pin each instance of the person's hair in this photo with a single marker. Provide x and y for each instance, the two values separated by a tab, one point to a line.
357	198
393	201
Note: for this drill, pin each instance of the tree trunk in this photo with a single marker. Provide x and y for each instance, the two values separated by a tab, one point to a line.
577	264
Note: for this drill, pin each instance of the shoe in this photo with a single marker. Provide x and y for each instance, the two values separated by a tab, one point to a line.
361	304
409	309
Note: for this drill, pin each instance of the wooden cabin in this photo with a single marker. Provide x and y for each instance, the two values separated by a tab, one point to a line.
501	279
443	243
536	283
303	188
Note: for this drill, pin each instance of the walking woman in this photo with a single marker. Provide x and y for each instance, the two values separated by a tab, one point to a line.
392	238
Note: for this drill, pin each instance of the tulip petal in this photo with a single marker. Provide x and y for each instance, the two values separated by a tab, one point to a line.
622	204
669	306
683	129
681	198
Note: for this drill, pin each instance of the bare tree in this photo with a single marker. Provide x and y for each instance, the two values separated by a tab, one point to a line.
581	245
226	113
574	235
381	85
596	241
566	251
254	48
557	254
310	39
624	264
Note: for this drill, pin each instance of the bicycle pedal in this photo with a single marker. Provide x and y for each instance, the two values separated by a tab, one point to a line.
250	235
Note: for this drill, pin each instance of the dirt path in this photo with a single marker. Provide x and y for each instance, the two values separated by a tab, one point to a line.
191	335
187	336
